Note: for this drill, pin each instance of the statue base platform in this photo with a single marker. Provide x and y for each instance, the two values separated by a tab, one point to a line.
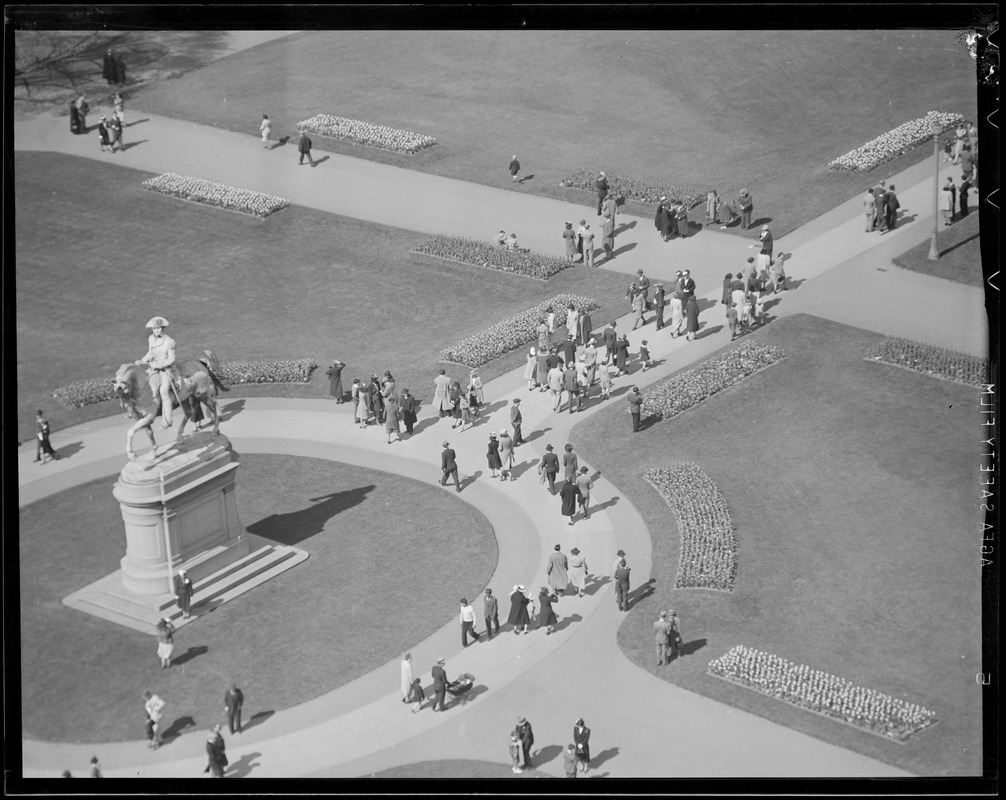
108	599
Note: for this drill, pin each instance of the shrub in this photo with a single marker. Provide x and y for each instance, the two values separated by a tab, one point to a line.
510	334
216	194
930	360
894	143
818	691
354	130
492	256
635	189
708	540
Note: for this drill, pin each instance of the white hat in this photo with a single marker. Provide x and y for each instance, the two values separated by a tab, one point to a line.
157	322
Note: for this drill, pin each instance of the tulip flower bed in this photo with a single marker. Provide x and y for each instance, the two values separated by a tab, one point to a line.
825	694
216	194
492	256
708	557
510	334
366	133
930	360
686	389
894	143
634	189
98	390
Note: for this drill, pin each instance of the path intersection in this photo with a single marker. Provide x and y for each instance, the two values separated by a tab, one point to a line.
362	727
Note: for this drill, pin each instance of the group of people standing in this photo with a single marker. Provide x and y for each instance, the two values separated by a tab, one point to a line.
376	399
954	199
681	304
880	207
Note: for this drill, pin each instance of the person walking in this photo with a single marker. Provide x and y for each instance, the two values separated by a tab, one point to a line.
416	695
514	751
569	761
558	578
216	752
454	394
526	737
548	467
745	202
518	616
467	622
569	241
516	418
491	614
82	110
114	134
638	306
605	380
662	631
569	495
165	642
265	131
407	405
583	485
439	685
658	304
586	325
570	384
183	593
405	667
555	385
154	706
609	337
441	394
588	246
608	237
449	466
692	316
635	400
569	464
304	148
610	207
334	374
577	571
514	168
506	456
778	274
590	361
622	585
677	311
622	354
602	190
581	738
493	456
546	615
43	448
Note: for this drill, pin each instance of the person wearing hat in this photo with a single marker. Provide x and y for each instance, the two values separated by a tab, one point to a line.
662	635
668	224
569	496
619	557
514	750
673	636
161	358
622	586
610	207
569	347
745	202
581	738
493	456
687	286
215	751
183	593
103	140
334	374
583	485
681	214
608	236
677	311
622	353
558	578
491	613
439	685
635	400
602	190
506	456
114	127
546	614
519	616
526	737
571	383
407	406
691	317
514	168
555	380
638	307
304	148
588	246
610	338
531	368
569	239
548	467
658	304
449	466
476	397
766	241
584	324
579	238
577	571
234	699
590	361
467	622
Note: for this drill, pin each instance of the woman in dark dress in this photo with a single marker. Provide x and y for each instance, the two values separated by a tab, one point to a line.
658	218
570	497
334	374
74	118
493	455
376	399
622	353
728	287
692	317
581	738
454	393
546	616
518	610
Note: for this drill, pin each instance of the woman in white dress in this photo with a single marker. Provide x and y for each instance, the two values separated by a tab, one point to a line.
577	570
530	367
406	677
677	314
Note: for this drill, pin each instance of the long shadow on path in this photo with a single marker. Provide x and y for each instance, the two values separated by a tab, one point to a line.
243	766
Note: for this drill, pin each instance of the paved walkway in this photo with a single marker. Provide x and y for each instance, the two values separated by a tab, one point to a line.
362	727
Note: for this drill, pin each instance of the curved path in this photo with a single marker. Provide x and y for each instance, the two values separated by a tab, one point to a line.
362	727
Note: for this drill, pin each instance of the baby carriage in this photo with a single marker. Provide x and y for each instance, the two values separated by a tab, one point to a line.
461	687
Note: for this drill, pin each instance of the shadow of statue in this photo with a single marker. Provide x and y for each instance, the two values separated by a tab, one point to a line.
232	409
296	526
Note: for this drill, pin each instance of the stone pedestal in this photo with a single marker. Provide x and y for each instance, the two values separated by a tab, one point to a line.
180	512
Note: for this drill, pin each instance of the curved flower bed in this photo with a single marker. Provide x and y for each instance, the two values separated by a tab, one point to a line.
894	143
708	539
826	694
510	334
634	189
98	390
491	256
216	194
686	389
930	360
366	133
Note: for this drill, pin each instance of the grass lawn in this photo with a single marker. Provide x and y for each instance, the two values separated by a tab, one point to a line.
304	633
729	109
853	486
960	254
91	271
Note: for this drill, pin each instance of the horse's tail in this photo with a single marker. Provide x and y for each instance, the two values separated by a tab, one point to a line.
217	382
209	360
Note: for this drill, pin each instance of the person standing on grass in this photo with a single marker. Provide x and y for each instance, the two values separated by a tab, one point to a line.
588	246
602	190
583	485
514	168
467	622
519	617
439	685
234	699
577	571
334	373
514	750
546	615
526	737
183	593
745	203
165	642
449	466
662	631
549	467
674	641
43	448
406	677
154	706
635	400
491	614
304	148
569	240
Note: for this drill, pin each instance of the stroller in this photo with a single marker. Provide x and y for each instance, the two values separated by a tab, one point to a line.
461	687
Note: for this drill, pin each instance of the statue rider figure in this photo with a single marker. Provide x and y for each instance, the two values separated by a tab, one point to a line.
161	358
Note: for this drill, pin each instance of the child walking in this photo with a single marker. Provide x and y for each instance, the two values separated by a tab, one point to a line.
515	751
644	355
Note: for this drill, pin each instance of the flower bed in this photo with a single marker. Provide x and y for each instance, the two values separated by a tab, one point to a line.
216	194
492	256
678	394
510	334
98	390
930	360
354	130
826	694
634	189
894	143
708	540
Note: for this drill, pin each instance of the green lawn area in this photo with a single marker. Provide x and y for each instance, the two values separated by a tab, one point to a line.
856	512
346	610
762	110
300	284
960	254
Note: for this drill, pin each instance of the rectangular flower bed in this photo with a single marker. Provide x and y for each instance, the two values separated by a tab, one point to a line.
930	360
216	194
813	690
85	393
894	143
492	256
510	334
708	539
634	189
355	130
686	389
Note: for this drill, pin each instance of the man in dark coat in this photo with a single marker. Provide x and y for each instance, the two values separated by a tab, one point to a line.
304	148
546	616
687	287
635	407
234	699
659	303
965	189
215	752
108	69
526	737
549	465
334	373
439	685
879	199
602	191
491	614
586	326
407	405
570	496
449	466
892	205
570	385
610	337
515	420
569	349
622	586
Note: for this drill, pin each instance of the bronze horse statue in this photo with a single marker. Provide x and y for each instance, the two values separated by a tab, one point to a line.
198	386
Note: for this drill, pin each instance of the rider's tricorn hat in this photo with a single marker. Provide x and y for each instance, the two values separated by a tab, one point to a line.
157	322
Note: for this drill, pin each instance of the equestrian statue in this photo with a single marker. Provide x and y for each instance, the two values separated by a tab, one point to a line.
165	384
